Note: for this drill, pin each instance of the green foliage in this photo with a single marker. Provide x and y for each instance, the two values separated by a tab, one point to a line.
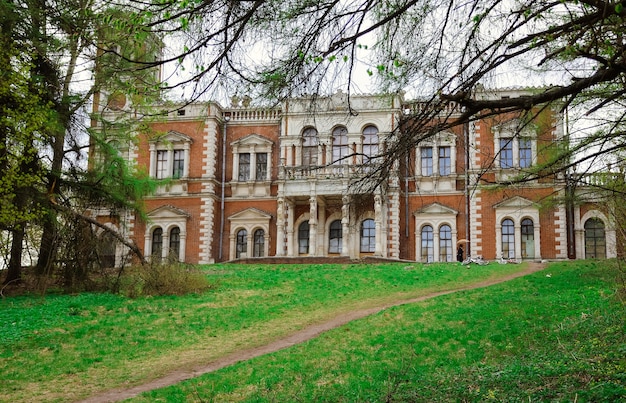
163	279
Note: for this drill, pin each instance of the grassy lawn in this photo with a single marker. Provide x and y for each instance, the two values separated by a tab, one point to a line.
545	337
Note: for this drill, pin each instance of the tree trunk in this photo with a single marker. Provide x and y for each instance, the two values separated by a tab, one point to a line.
14	272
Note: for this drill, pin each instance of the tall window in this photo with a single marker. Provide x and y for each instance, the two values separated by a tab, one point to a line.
157	243
528	238
106	246
506	153
174	244
368	236
445	244
261	166
340	145
178	164
303	238
334	237
259	243
427	244
595	239
525	153
508	239
244	167
370	143
427	161
445	162
309	147
161	164
242	243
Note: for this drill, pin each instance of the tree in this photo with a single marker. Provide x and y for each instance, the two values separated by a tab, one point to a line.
49	52
570	52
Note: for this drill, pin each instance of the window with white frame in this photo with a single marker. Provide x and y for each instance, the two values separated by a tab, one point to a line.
445	243
242	243
309	147
427	161
508	239
303	238
244	167
428	245
249	234
335	237
515	144
169	156
157	244
370	143
368	235
445	161
437	155
251	159
340	145
259	243
174	252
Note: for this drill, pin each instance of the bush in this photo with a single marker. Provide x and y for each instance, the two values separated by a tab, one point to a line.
163	279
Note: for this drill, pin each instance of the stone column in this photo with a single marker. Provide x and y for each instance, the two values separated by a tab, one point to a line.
187	161
290	227
518	242
313	226
345	221
378	222
153	161
280	227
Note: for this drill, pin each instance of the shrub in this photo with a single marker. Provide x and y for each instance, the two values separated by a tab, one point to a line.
163	279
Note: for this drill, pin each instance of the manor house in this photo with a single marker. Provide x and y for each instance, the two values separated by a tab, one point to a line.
246	182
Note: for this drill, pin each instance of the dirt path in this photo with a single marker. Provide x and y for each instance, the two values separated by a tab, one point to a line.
310	332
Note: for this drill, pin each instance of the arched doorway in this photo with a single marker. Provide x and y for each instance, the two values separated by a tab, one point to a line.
595	239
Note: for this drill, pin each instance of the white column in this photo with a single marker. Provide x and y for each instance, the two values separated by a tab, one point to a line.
170	163
280	227
235	175
290	229
165	250
153	161
378	224
516	157
321	223
187	161
537	239
312	226
518	241
436	250
345	220
453	160
183	245
268	168
252	165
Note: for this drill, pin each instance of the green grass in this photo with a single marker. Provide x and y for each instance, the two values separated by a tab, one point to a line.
62	348
558	335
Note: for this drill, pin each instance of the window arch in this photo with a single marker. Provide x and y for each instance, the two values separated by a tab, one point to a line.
157	243
528	238
334	237
303	238
259	243
368	235
445	243
340	145
174	253
508	239
427	244
595	239
370	142
309	146
107	245
242	243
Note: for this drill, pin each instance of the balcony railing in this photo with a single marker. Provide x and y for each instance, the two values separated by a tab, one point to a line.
326	171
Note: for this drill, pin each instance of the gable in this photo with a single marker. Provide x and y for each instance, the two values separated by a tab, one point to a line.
515	203
250	215
252	139
172	136
167	212
436	209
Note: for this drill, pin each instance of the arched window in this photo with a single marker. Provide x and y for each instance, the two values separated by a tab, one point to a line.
259	243
368	236
445	244
157	244
303	238
428	251
508	239
595	239
309	147
370	143
528	239
340	145
242	243
107	246
334	237
174	244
